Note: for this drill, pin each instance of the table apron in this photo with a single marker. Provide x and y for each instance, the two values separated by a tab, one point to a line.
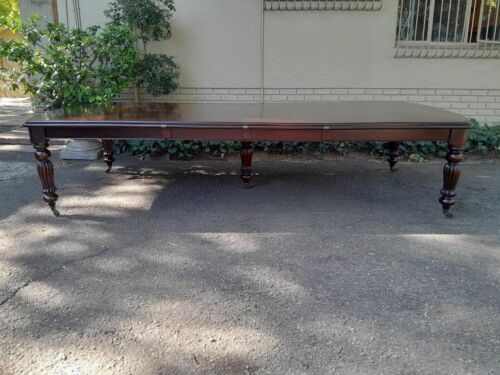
244	134
387	135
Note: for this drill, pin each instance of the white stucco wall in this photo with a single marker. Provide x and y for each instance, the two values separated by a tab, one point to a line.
310	55
217	42
356	49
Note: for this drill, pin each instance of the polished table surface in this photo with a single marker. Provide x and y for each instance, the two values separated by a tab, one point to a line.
371	115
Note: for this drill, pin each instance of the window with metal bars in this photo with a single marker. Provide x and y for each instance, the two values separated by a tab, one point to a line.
283	5
448	28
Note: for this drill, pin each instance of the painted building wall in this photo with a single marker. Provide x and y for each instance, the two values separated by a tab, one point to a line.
42	7
307	56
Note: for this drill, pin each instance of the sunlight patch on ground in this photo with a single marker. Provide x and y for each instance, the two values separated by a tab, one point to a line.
194	327
138	172
115	265
54	355
62	242
455	241
4	240
113	200
231	242
239	242
43	296
167	256
205	171
20	148
435	238
273	282
16	102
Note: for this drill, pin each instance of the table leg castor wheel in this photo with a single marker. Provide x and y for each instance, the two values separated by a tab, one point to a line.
55	211
248	185
447	213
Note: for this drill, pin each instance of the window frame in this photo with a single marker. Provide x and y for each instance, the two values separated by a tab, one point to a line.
322	5
483	2
469	47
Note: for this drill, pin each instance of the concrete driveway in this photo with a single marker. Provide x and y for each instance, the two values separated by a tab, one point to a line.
323	267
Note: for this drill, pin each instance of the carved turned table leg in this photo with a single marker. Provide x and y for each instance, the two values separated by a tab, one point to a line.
46	172
108	154
246	153
451	174
393	154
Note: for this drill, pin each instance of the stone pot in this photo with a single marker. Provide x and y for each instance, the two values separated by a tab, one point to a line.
82	149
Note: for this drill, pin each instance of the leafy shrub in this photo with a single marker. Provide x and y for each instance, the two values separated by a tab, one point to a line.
482	140
147	17
156	73
64	68
9	13
179	149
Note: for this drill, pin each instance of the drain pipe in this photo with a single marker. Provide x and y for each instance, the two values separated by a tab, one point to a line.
55	12
263	50
67	13
78	16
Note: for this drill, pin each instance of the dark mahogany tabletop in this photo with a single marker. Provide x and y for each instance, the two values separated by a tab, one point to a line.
374	115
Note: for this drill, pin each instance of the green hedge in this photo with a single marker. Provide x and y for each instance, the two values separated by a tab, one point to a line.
482	140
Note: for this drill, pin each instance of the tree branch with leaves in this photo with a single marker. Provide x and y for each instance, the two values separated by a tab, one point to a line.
65	68
156	73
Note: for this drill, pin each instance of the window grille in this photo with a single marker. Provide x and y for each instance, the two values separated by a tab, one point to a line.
448	28
284	5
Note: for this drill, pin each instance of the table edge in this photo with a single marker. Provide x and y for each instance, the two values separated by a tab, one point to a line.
250	124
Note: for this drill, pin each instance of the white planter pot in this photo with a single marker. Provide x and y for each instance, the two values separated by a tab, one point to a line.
80	149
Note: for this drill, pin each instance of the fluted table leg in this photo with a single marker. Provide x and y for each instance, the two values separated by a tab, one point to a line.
108	154
393	154
451	174
246	153
46	172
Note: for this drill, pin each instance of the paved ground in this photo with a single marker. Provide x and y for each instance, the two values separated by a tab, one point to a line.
174	268
13	113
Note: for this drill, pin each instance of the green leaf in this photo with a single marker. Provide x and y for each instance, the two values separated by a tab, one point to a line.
416	157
